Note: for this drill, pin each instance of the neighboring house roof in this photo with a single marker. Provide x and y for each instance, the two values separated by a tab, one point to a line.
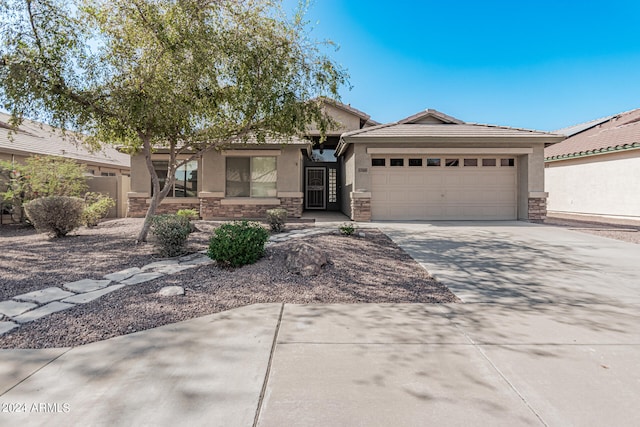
38	138
348	108
572	130
432	124
617	133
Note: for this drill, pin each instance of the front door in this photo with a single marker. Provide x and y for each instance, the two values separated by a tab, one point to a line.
316	186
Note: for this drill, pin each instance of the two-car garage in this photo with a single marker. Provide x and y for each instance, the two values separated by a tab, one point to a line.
431	166
443	187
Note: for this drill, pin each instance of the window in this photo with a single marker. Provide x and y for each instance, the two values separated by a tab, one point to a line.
471	162
333	185
324	155
251	177
107	174
452	162
91	171
415	162
433	162
186	183
396	162
488	162
377	162
507	162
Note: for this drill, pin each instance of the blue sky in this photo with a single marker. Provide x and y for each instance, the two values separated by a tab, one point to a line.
534	64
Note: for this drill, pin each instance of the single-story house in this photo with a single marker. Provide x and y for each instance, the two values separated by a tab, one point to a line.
429	166
107	170
595	172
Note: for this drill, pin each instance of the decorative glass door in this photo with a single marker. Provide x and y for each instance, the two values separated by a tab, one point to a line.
316	186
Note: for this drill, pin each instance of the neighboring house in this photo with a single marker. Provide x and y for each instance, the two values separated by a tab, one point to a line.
108	170
595	172
429	166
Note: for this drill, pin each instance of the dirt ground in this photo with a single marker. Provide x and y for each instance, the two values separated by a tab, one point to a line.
361	269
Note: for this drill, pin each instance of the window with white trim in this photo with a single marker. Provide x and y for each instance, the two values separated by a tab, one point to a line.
186	183
251	177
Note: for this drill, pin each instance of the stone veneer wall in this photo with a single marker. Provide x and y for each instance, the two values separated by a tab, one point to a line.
213	208
137	207
537	209
361	209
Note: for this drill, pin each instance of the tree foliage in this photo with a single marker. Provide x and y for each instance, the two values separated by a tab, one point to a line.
181	76
40	176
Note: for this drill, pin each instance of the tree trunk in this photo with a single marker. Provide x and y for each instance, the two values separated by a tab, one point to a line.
157	193
153	206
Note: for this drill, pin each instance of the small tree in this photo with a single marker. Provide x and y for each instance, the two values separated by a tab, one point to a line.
185	76
41	176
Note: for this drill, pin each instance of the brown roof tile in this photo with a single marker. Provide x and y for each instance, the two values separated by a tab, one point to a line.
621	131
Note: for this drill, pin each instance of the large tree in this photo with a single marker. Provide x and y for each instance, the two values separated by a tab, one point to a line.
185	76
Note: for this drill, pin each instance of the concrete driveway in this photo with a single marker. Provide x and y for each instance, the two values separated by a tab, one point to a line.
549	334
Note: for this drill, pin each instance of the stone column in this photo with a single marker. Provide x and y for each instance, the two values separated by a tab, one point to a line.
292	202
210	206
137	205
537	206
361	206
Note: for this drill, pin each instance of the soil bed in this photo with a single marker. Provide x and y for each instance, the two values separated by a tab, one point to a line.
370	269
625	233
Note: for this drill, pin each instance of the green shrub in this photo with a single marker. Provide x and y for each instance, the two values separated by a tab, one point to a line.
40	176
171	232
190	214
347	229
277	219
55	215
238	243
96	207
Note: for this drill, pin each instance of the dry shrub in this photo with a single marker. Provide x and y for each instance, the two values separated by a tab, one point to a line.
55	215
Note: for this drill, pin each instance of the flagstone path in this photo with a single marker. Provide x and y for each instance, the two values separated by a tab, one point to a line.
34	305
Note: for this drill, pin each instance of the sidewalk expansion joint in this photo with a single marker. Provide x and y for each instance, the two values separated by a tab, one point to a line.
502	375
268	372
36	371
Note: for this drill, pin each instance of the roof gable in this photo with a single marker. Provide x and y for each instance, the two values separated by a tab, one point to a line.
430	116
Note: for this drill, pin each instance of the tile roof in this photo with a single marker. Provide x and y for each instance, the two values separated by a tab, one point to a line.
418	128
618	132
431	113
465	130
37	138
572	130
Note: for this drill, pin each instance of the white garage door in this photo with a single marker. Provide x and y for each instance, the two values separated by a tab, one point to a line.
443	188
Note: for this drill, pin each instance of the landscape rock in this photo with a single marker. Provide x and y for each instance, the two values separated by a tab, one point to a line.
171	291
305	259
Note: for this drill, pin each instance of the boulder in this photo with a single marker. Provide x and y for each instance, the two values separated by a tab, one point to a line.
171	291
305	259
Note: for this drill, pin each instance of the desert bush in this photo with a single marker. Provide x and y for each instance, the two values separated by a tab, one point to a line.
238	243
277	219
40	176
347	229
190	214
171	232
55	215
96	207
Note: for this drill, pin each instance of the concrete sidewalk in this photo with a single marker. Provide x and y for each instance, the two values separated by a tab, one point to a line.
549	335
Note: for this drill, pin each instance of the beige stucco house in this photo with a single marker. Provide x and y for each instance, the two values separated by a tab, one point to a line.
107	169
429	166
432	166
595	172
250	178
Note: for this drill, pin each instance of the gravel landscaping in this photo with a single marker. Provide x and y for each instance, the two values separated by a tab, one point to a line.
361	269
625	233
